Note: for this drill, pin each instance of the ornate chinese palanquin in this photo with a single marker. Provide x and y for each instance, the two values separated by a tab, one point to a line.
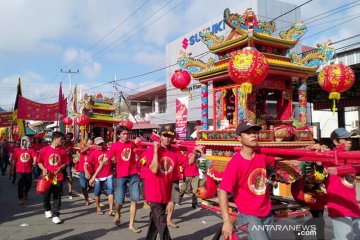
271	102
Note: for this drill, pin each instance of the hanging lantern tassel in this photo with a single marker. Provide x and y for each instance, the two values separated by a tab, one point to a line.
245	88
334	96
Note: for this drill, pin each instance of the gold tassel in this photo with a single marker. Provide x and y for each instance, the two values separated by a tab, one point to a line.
334	96
247	89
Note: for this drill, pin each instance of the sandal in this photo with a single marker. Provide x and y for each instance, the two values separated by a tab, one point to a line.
112	213
173	225
99	212
135	230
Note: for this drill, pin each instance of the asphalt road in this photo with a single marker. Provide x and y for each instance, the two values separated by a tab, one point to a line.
81	222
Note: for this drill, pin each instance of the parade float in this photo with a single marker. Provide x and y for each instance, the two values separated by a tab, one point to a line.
98	116
254	78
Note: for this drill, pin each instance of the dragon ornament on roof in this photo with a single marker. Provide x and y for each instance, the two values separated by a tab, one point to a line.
322	54
188	63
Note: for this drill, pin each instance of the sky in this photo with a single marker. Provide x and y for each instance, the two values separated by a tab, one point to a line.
118	39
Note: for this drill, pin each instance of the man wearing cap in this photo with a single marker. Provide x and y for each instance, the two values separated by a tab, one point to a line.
103	174
246	176
343	207
126	175
162	161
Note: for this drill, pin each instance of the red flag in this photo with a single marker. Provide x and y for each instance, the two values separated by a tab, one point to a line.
31	110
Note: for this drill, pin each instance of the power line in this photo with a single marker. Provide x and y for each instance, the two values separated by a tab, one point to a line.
103	38
291	10
112	30
326	29
103	51
318	15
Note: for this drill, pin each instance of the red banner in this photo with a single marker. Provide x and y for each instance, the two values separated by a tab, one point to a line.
31	110
181	117
6	119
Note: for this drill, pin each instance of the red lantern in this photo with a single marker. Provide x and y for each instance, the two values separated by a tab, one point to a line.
127	123
181	79
248	67
82	121
67	121
335	79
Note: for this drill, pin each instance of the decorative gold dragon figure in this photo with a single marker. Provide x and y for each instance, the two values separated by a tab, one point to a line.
234	19
238	21
209	38
266	27
296	31
188	63
323	53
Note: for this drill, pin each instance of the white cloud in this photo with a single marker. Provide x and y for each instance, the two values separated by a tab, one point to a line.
91	67
150	58
33	85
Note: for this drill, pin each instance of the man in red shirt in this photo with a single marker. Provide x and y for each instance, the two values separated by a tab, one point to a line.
37	145
343	207
103	174
69	148
161	161
245	176
23	160
191	174
126	174
84	171
52	161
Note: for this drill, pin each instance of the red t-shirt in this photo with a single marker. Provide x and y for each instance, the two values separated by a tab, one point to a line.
247	180
82	160
125	158
69	148
158	186
95	158
142	169
341	197
341	194
297	191
24	159
37	146
52	159
191	170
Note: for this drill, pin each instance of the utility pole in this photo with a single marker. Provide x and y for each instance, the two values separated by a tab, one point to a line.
69	72
126	102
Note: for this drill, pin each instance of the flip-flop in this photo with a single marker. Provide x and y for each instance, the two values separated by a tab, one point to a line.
112	213
173	225
135	230
100	212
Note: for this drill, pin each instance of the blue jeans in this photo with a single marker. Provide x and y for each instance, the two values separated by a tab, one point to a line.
121	186
109	186
253	226
346	228
84	183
